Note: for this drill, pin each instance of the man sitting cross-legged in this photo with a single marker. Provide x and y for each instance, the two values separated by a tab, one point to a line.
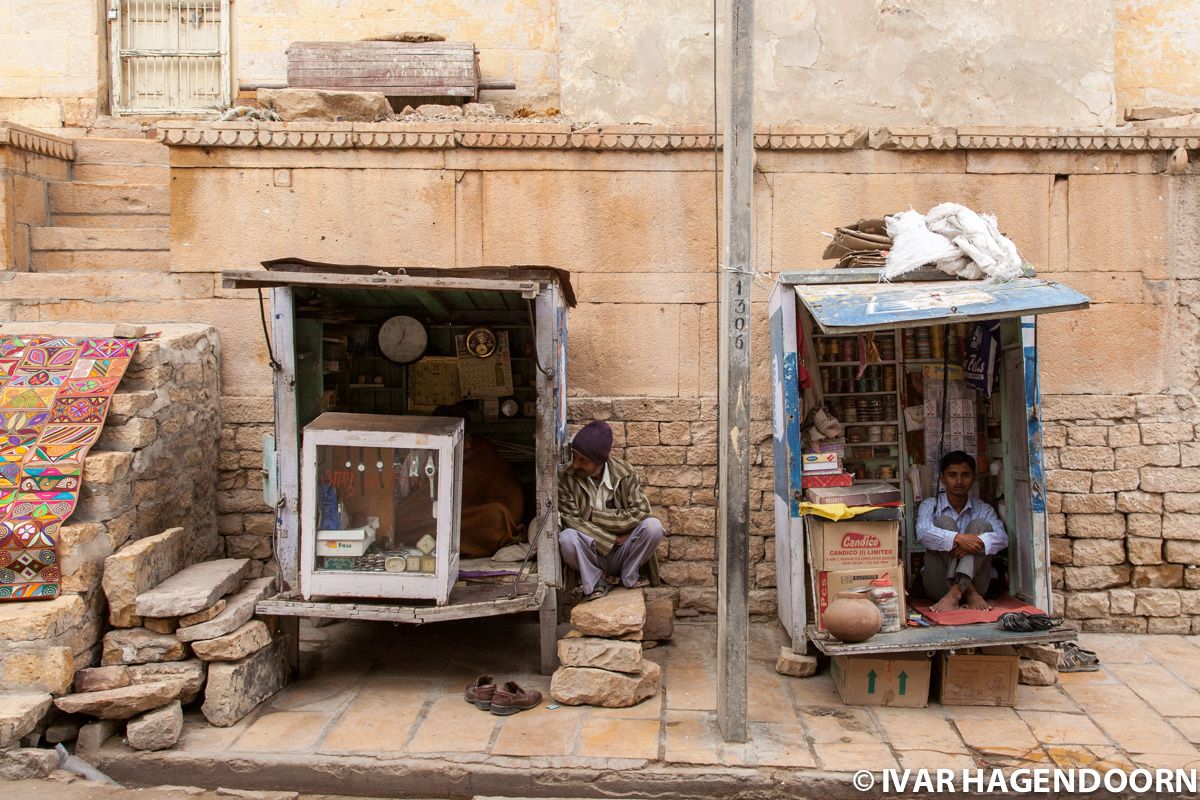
960	534
608	531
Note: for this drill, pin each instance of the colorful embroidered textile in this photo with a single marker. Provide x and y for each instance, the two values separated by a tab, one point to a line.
54	395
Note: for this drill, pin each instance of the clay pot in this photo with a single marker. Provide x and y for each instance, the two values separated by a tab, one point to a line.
852	617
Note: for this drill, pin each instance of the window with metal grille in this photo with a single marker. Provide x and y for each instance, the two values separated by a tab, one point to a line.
169	56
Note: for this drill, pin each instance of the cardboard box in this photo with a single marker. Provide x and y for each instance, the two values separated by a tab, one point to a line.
901	681
986	677
852	544
860	494
349	542
819	462
830	583
827	479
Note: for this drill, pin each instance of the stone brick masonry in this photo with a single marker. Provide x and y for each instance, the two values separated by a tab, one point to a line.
673	444
1123	480
151	469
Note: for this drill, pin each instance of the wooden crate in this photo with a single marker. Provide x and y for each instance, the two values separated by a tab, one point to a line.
398	69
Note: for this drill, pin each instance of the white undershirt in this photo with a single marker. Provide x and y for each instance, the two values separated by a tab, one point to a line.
601	491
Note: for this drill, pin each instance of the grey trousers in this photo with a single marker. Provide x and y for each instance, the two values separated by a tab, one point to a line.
940	569
624	561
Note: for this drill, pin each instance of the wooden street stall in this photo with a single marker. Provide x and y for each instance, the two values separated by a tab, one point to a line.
392	388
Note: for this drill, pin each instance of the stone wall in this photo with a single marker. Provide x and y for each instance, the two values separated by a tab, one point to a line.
673	445
30	161
1070	63
1111	215
53	62
1124	503
153	468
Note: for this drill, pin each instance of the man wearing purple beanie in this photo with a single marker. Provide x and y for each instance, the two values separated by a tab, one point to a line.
608	531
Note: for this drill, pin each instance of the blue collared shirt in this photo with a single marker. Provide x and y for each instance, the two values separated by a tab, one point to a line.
935	538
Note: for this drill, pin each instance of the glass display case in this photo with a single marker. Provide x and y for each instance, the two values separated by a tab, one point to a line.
380	506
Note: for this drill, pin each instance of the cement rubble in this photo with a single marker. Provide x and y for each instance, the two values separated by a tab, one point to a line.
195	588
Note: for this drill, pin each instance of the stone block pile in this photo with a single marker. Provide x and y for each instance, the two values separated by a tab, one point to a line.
152	468
601	656
181	631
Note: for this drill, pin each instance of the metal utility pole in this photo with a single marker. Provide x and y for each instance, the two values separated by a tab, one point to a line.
733	422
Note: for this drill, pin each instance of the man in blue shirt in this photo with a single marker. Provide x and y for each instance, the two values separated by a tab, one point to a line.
960	534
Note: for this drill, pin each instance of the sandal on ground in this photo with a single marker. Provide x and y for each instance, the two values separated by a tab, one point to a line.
1075	659
640	583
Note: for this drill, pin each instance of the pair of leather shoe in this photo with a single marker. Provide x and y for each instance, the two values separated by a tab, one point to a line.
510	698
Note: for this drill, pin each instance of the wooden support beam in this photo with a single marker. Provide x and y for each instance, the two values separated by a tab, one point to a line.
736	279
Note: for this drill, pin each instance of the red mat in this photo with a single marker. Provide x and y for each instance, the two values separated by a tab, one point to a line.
967	616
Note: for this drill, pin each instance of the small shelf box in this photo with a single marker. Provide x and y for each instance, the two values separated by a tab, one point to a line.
380	502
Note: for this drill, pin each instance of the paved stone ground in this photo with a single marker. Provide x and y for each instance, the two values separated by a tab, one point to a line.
381	695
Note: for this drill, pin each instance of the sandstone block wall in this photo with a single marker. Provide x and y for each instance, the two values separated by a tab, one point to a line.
153	468
673	444
1124	511
629	211
30	161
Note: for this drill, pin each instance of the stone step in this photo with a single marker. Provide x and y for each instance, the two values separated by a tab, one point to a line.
129	173
109	198
192	589
100	239
112	220
100	260
101	150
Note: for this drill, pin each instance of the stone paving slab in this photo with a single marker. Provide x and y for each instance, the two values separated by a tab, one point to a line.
384	702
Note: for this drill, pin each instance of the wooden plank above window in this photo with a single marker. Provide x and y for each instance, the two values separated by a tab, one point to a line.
429	69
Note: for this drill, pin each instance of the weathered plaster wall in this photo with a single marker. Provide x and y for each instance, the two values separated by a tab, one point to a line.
52	57
1158	53
517	40
1069	63
854	61
632	218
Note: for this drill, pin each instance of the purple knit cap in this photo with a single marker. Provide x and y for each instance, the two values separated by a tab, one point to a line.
594	441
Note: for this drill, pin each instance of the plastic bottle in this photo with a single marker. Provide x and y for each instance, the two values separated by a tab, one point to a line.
884	595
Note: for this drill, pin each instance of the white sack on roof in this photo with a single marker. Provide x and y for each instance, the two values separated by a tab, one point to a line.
956	240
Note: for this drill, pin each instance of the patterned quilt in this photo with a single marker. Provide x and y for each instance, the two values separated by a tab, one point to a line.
54	395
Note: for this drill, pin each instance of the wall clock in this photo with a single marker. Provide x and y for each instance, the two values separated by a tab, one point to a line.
403	339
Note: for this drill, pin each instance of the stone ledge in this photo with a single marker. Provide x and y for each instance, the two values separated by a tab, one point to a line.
659	138
35	141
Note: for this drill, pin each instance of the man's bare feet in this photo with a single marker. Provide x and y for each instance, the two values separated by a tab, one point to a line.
950	601
975	600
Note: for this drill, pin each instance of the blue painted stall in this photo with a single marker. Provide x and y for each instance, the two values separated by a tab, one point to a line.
852	301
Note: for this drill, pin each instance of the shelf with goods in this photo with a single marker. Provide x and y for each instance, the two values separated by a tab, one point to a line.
865	398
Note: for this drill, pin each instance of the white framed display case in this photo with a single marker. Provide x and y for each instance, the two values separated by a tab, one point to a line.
380	503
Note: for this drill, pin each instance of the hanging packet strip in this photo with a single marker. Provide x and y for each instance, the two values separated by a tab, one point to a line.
981	362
